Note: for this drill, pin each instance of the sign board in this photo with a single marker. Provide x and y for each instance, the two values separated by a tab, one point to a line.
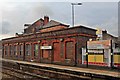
103	44
46	47
116	50
96	51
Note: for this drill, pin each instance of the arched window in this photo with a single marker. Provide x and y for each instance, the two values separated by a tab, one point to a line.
36	47
15	50
28	50
6	49
11	49
21	49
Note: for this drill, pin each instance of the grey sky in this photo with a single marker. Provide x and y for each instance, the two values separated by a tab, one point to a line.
119	19
103	15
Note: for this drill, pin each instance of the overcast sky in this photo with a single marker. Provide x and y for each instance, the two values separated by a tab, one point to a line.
102	15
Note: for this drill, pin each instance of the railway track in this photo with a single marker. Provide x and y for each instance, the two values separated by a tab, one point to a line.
25	75
21	75
34	72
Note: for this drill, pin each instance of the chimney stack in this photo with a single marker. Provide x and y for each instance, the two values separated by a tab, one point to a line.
46	20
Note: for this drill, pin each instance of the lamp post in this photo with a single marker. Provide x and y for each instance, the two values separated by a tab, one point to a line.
73	23
73	11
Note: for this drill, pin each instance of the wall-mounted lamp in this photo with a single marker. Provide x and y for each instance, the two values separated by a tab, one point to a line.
39	41
61	39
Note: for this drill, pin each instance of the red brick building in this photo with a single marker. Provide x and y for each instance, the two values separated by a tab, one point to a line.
49	42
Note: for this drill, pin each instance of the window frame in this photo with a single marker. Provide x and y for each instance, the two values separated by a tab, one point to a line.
21	49
28	49
36	52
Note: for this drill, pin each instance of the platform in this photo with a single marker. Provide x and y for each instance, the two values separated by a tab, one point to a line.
76	69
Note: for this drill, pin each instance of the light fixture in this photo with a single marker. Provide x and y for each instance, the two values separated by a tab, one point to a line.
61	39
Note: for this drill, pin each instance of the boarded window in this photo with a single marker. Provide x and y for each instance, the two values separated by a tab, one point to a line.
56	49
69	50
45	51
36	47
28	50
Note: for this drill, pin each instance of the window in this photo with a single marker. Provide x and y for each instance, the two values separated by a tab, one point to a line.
15	50
28	49
21	49
36	49
11	49
6	50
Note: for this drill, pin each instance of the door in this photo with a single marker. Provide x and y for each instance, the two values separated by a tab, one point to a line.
45	52
56	52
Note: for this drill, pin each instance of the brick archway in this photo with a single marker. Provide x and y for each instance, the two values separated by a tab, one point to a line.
69	48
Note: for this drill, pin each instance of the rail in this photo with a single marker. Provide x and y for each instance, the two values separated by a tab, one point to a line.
19	74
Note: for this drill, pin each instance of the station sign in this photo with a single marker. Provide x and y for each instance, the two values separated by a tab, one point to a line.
103	44
96	51
46	47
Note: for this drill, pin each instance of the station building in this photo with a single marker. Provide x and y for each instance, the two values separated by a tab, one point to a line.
49	41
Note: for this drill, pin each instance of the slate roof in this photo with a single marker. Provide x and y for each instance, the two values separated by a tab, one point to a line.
53	23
